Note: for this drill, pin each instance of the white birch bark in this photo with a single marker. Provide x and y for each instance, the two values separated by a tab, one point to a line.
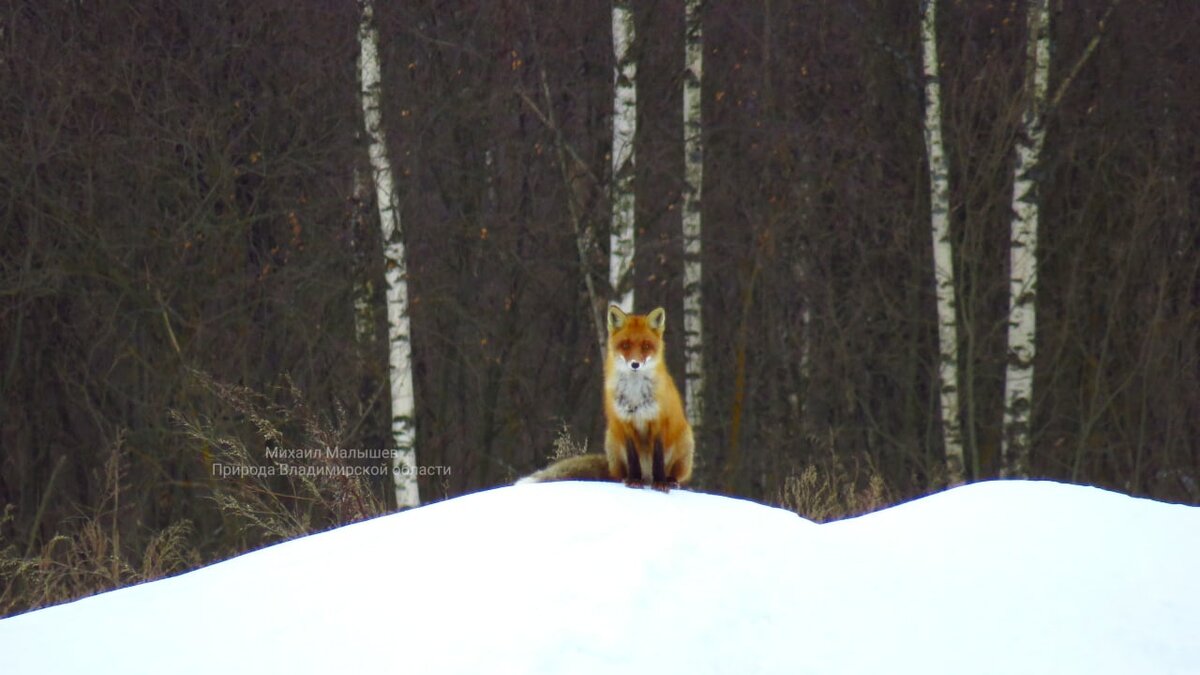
943	250
693	159
364	318
620	269
1022	289
404	461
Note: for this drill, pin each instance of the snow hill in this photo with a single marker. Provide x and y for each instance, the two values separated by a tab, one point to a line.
1001	577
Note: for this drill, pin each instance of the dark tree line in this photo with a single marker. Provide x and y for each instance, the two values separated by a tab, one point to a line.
178	203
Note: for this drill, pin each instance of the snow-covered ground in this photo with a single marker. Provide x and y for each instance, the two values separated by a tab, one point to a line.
1001	577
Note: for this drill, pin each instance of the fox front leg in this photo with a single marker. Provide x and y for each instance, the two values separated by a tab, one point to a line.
633	469
661	481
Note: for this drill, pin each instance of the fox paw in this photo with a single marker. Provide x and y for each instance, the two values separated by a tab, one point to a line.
665	486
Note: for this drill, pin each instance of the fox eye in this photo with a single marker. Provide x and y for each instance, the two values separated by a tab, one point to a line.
646	346
625	345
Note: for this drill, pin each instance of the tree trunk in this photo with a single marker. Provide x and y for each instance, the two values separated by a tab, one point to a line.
404	461
364	317
943	249
620	270
1022	288
693	159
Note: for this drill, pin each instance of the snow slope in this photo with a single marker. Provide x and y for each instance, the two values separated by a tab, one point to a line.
1002	577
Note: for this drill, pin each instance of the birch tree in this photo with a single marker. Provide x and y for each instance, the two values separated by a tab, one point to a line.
943	250
1022	284
620	269
404	461
693	158
364	321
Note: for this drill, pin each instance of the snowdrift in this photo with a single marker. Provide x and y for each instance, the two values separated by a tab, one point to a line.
1002	577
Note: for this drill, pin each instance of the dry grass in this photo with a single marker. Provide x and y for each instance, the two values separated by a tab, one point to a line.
835	488
566	445
102	548
276	507
89	557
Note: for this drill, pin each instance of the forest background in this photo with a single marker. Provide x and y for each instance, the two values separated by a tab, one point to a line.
185	246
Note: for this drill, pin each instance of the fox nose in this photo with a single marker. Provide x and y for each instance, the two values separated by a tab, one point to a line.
635	365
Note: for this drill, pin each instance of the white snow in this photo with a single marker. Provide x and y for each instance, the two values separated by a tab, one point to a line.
1001	577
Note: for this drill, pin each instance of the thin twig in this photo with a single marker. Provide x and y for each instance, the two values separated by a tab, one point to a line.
583	234
1083	58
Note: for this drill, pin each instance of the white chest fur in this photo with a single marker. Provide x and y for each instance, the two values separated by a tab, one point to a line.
634	399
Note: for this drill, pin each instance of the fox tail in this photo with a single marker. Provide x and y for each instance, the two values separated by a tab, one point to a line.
593	466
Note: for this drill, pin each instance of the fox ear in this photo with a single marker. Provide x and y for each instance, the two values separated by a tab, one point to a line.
616	318
657	320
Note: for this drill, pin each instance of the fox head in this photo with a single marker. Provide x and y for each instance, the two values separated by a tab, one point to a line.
635	340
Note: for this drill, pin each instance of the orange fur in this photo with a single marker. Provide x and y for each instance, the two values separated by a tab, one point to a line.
641	403
592	466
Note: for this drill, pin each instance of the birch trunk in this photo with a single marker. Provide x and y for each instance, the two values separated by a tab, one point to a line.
943	250
404	461
620	269
364	317
693	154
1022	288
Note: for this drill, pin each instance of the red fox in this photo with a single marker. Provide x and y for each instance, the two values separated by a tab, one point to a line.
648	439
